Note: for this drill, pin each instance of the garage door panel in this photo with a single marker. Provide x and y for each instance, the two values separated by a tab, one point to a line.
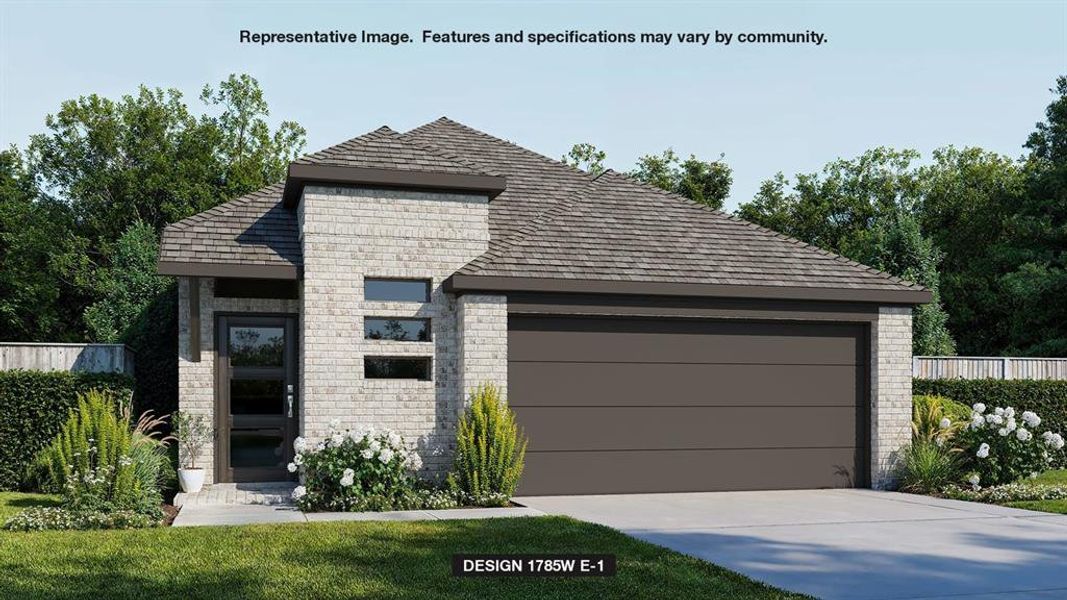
666	384
666	341
672	428
685	471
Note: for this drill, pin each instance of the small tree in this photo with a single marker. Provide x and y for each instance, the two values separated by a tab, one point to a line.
490	450
192	433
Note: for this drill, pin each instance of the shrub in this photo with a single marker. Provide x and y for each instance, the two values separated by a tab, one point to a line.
1046	398
1001	445
361	470
33	407
46	518
192	433
490	450
928	467
928	418
91	461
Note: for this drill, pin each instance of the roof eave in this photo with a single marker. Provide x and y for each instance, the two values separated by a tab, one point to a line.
302	174
462	283
231	270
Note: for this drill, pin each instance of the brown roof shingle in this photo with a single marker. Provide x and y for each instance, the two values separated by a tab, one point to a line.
552	221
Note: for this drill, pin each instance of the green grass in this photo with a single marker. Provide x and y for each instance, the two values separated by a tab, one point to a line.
13	502
346	560
1053	477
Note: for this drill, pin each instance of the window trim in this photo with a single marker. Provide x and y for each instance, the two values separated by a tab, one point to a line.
428	360
425	320
425	281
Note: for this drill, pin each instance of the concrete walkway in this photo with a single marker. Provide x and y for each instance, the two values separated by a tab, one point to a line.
848	544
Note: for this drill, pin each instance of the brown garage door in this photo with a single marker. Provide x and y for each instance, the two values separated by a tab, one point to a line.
629	405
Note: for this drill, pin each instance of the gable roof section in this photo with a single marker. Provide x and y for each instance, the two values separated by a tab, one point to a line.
251	236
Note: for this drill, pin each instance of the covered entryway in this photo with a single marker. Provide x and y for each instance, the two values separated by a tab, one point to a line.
630	405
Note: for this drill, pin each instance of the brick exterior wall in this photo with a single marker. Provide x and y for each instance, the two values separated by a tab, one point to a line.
350	233
196	380
890	391
482	322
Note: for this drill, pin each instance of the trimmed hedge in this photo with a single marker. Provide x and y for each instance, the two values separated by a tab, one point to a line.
1045	397
33	407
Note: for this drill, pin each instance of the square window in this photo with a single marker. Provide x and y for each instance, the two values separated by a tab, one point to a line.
398	330
395	367
396	290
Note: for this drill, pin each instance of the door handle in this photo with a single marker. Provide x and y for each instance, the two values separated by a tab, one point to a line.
290	399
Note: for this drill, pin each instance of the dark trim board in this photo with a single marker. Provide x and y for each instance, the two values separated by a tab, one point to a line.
302	174
210	269
460	283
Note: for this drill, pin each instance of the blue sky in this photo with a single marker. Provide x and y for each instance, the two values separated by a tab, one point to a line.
908	74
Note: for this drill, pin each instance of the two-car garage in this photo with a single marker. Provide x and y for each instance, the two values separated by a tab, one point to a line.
656	404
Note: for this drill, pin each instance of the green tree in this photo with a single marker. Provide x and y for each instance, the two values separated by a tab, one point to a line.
706	182
865	209
586	157
126	286
38	255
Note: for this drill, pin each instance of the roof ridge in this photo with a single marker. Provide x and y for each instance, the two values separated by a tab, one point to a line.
770	232
493	138
530	228
443	153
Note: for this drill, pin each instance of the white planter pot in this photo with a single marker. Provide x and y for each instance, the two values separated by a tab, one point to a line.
191	480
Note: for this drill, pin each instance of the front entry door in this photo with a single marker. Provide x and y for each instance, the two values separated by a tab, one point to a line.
257	397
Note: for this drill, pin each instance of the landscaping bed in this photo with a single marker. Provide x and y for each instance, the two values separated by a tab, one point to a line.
345	560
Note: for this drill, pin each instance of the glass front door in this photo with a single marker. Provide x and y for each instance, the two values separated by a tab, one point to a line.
257	397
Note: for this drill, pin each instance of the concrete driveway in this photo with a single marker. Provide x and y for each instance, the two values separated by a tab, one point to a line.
848	544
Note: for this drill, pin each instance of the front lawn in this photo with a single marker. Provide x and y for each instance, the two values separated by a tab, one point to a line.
346	560
12	503
1054	477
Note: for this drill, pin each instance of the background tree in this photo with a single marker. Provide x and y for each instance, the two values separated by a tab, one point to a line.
586	157
706	182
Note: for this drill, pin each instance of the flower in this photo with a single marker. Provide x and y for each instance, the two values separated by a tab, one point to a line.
1010	425
979	407
356	435
298	459
300	444
1023	435
939	441
348	477
974	479
1003	432
413	461
337	439
983	450
1053	440
299	492
291	467
375	445
1009	412
394	439
1031	419
367	453
386	455
335	424
945	423
977	422
998	411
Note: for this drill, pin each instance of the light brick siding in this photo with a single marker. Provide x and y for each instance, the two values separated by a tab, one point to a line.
483	341
348	234
890	391
196	380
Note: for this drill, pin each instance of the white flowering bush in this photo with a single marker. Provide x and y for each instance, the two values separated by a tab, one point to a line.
1002	445
1011	492
361	470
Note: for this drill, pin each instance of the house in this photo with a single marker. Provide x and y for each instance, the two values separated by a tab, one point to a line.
646	343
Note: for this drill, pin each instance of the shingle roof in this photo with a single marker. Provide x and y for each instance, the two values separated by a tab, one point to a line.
254	229
552	221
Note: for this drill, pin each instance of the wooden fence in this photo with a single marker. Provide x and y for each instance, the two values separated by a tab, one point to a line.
980	367
94	358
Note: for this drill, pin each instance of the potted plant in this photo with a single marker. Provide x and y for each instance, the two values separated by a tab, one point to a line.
192	432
